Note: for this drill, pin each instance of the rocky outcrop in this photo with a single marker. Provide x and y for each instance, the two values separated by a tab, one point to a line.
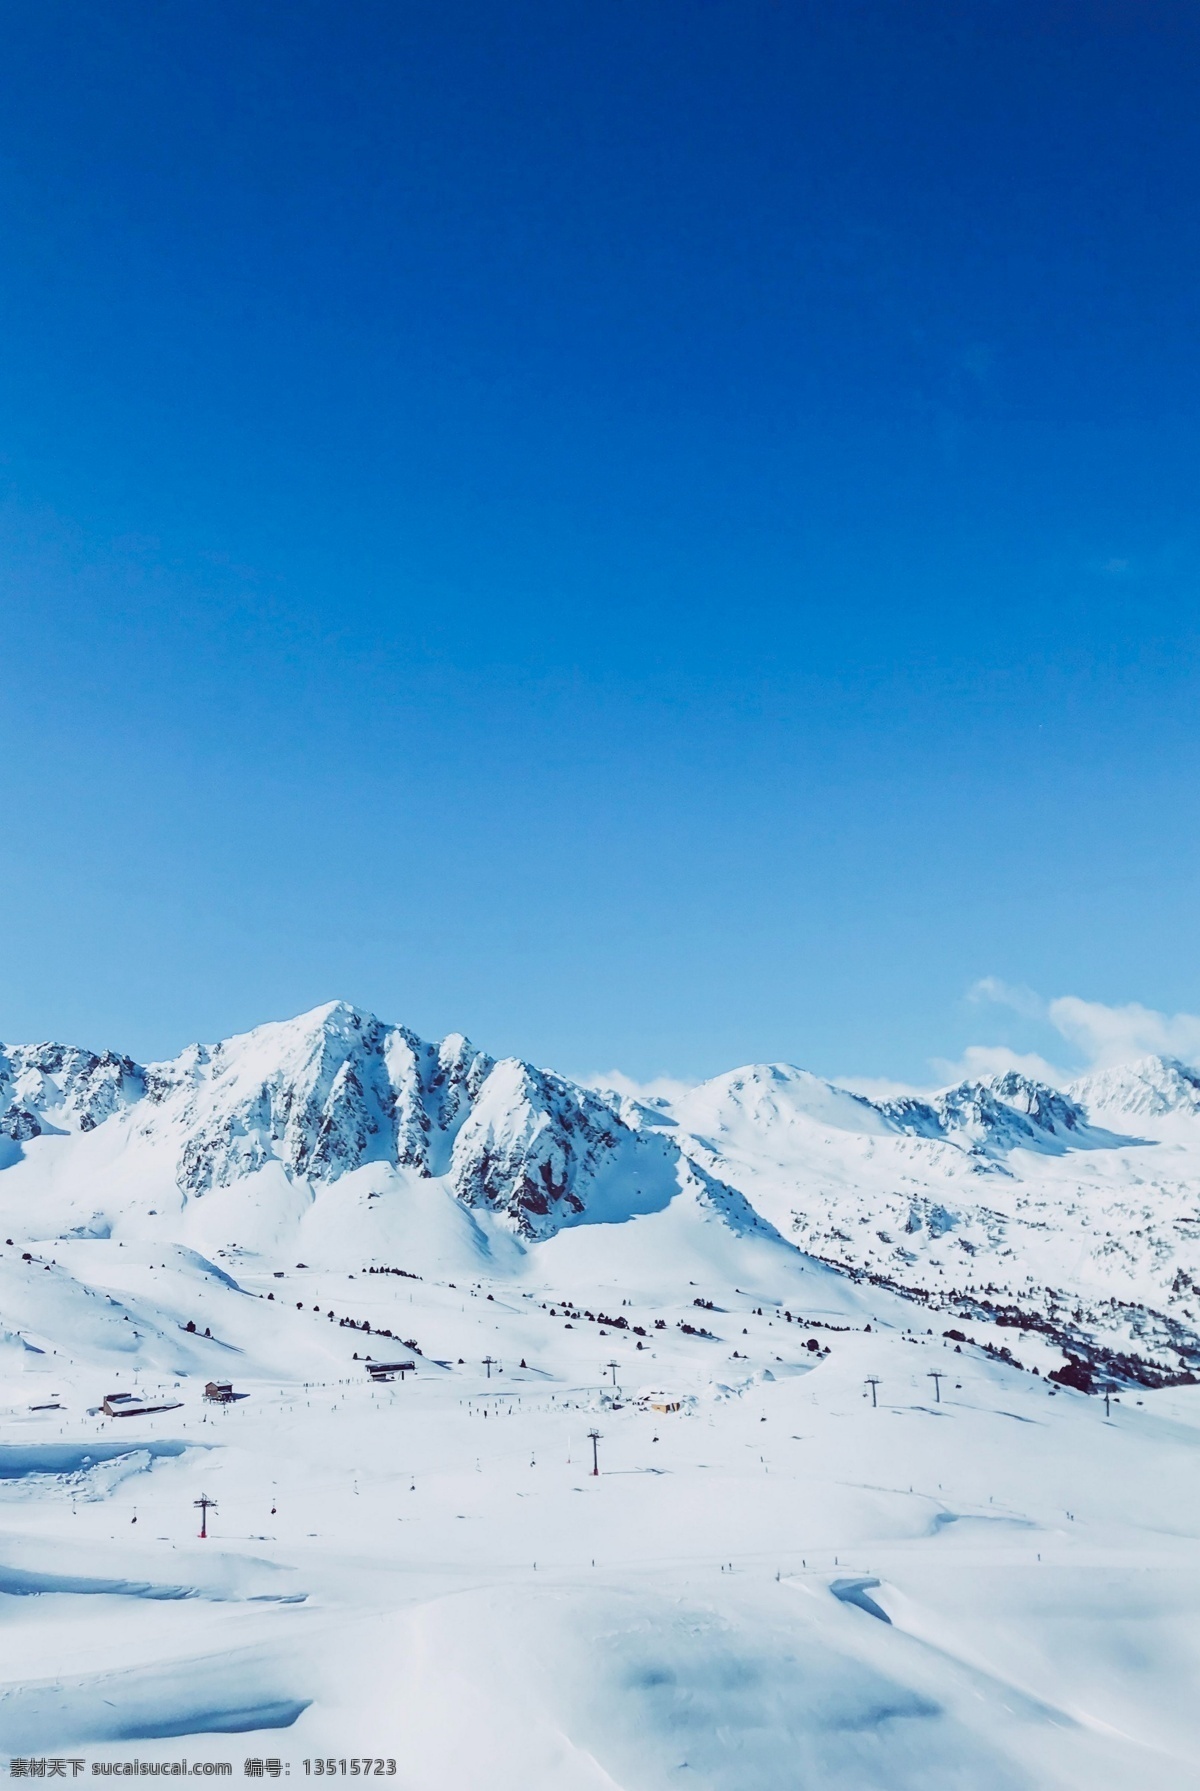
992	1117
532	1145
321	1095
60	1088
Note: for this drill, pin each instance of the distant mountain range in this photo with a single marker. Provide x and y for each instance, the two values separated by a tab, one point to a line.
1073	1212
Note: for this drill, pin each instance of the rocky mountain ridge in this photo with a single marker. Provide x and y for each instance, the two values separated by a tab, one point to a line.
337	1090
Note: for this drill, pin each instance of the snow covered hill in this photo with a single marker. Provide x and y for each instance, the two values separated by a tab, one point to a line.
1073	1215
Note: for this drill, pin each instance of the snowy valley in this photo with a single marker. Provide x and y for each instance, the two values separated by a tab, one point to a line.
896	1404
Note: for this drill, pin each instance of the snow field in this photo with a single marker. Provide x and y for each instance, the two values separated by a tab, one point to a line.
407	1526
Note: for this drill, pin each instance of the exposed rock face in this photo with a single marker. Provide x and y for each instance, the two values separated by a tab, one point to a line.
59	1088
992	1117
1048	1110
19	1124
532	1145
321	1095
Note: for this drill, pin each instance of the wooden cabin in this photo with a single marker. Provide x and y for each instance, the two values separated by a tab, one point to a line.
219	1392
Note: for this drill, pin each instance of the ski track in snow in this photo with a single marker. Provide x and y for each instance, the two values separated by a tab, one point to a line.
982	1581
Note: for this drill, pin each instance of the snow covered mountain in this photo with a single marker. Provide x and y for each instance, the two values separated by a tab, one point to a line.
1073	1216
100	1145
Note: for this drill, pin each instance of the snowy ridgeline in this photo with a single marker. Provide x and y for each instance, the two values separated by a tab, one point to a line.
1072	1214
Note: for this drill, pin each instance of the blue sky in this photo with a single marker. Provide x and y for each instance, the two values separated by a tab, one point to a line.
657	534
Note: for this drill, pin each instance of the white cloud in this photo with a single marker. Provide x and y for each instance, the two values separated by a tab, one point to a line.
1109	1035
980	1061
1101	1034
877	1088
1026	1002
668	1088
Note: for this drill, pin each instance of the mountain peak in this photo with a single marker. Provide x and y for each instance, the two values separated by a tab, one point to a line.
1149	1088
336	1089
333	1016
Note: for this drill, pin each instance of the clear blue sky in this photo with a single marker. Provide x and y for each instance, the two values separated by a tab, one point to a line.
654	532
